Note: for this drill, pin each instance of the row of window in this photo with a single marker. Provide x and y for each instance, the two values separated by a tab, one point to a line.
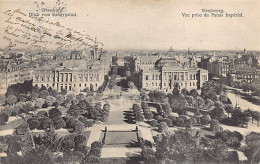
66	86
180	84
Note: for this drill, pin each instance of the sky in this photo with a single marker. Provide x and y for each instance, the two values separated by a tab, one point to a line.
156	24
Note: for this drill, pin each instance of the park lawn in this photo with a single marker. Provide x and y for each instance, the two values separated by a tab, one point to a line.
12	125
120	138
135	160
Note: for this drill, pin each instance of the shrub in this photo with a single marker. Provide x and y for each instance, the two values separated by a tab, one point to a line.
79	139
214	125
154	123
79	127
45	123
148	153
96	144
168	121
70	121
159	118
92	159
3	118
33	123
58	123
54	112
162	126
95	151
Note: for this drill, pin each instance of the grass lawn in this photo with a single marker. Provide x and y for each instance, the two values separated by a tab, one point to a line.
12	125
121	160
121	138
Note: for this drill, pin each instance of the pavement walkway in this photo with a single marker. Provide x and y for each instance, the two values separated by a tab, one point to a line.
95	134
120	152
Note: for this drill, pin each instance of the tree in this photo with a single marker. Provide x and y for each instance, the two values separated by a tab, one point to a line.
94	112
229	109
190	100
139	117
43	94
38	103
79	139
91	159
214	125
33	123
63	92
143	95
194	93
148	115
162	126
11	99
185	92
130	84
154	123
79	127
217	113
97	144
54	112
178	147
70	121
239	118
39	155
45	123
58	123
28	106
3	118
205	120
91	88
73	157
177	102
59	99
52	92
210	89
252	149
49	100
216	151
256	116
148	154
42	114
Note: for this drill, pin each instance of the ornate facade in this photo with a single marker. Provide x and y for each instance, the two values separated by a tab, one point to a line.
168	72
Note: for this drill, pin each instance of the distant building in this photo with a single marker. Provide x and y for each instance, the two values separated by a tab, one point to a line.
168	72
13	73
74	74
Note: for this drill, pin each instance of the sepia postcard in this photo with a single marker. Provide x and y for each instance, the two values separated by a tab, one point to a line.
129	81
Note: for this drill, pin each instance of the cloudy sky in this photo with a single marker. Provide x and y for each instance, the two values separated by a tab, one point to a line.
156	24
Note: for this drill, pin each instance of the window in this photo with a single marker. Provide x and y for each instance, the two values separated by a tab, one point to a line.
80	85
153	77
190	84
85	84
152	84
175	77
165	84
146	77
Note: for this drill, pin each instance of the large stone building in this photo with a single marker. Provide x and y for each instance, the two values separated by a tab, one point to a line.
13	72
74	74
169	72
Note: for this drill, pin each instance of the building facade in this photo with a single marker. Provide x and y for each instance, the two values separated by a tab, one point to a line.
13	73
167	73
